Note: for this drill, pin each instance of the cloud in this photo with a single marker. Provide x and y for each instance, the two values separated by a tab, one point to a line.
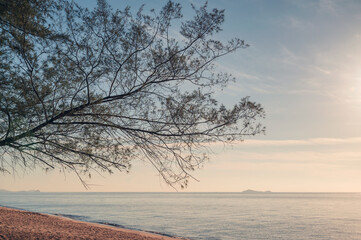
323	70
311	141
297	157
289	142
236	73
292	22
321	6
328	6
248	82
336	154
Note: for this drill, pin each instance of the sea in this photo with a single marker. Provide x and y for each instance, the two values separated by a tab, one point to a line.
210	216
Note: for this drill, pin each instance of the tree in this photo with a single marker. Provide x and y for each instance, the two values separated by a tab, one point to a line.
96	89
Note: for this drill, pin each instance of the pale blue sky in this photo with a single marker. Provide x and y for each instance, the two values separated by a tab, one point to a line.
304	67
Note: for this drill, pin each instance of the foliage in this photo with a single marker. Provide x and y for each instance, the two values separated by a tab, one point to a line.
97	89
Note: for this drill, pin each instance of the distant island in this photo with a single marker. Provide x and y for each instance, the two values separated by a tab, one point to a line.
27	191
249	191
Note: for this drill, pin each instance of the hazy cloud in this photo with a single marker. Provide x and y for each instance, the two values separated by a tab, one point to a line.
300	142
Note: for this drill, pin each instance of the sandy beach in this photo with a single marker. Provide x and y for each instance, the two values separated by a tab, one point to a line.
18	224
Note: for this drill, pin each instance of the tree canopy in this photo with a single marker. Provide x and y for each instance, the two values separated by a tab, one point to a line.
94	90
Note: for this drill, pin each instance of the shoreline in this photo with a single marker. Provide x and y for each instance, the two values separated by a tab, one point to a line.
23	224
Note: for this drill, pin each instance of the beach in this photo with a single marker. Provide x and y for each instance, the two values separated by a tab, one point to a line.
19	224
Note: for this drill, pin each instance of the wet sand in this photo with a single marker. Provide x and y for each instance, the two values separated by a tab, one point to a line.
17	224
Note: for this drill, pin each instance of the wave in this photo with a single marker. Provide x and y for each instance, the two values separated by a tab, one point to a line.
87	219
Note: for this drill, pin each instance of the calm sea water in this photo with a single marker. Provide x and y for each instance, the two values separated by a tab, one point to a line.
209	215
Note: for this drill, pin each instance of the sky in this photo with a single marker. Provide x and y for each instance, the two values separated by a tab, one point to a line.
304	66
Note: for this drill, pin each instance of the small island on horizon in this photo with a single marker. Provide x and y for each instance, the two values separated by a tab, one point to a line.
250	191
27	191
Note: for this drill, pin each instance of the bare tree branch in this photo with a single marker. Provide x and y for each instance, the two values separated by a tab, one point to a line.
94	90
